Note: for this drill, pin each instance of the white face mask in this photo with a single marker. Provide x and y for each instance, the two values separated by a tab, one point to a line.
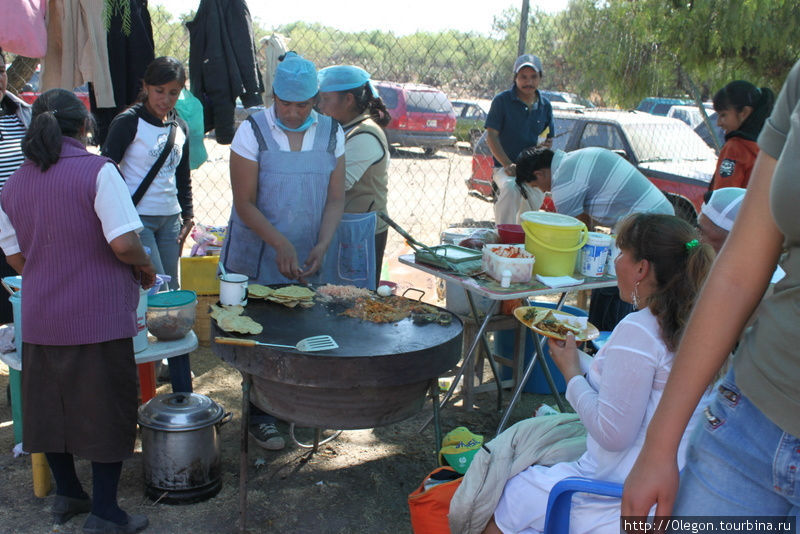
535	196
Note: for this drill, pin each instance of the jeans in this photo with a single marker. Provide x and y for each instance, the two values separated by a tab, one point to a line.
739	463
160	235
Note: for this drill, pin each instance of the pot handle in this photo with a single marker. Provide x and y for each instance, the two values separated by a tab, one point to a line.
225	419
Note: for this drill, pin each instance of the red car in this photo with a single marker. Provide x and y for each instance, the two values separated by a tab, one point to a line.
422	116
30	91
665	150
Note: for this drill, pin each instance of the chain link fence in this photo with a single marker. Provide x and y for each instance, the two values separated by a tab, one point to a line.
427	190
613	53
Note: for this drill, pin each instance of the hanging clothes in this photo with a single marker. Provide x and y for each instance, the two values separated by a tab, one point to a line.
272	48
22	29
190	109
76	51
129	53
222	63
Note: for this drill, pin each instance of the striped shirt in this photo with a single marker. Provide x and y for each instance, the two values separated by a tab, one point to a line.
11	157
603	185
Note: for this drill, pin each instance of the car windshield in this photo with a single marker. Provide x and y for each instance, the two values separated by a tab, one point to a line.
563	132
427	102
667	142
389	96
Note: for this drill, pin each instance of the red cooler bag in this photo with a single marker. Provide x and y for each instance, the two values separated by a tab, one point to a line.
429	504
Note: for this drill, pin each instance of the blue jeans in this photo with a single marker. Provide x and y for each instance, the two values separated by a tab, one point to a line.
739	463
160	235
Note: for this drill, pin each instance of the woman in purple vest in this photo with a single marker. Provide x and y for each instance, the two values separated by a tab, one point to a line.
69	227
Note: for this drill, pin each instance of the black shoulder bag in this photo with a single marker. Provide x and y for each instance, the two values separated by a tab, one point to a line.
151	174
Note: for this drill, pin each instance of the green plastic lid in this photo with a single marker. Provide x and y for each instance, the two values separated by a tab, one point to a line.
171	299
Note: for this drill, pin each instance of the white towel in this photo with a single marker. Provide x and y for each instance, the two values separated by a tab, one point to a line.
559	281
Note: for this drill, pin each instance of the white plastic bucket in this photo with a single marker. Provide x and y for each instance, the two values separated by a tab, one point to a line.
140	339
594	254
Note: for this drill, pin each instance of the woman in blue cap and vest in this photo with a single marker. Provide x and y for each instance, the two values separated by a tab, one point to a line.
347	95
287	177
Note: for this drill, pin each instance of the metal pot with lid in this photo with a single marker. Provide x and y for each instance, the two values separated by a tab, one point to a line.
181	447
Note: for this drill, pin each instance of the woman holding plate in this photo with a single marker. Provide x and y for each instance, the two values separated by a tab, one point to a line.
660	270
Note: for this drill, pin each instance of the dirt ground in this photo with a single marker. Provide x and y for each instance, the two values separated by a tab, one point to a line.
358	483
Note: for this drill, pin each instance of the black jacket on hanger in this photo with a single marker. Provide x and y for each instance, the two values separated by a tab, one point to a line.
222	63
128	57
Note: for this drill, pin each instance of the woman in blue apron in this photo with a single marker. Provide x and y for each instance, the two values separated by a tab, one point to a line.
287	177
347	95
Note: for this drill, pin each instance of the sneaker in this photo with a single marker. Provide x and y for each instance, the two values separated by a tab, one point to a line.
267	436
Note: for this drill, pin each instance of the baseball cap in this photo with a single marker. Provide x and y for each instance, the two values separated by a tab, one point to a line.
722	206
295	79
459	446
528	60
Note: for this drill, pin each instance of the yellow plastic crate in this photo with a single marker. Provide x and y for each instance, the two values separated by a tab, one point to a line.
199	273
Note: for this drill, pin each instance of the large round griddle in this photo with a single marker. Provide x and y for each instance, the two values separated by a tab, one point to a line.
379	374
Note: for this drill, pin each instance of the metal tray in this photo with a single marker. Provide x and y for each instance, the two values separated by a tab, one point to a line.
447	256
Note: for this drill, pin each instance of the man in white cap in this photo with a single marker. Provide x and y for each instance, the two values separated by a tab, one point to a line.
517	119
519	115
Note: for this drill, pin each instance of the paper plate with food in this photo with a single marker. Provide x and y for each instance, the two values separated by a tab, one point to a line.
555	323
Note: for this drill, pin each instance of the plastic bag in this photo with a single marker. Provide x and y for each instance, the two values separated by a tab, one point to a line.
208	239
487	235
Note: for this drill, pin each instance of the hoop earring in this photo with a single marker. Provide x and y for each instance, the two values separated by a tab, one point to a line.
635	296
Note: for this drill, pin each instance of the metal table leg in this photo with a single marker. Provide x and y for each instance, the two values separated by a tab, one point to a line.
539	356
437	427
247	382
487	349
467	361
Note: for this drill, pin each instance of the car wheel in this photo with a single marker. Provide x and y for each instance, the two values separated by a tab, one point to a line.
683	208
429	150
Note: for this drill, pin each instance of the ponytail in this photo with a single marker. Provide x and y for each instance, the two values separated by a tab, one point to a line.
55	114
366	101
680	264
738	94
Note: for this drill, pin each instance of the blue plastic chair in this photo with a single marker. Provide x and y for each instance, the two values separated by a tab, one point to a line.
559	502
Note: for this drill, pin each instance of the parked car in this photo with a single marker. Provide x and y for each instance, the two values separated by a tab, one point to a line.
470	118
692	116
665	150
563	100
656	105
30	91
422	116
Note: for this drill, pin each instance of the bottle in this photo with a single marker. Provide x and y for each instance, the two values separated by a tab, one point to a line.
505	278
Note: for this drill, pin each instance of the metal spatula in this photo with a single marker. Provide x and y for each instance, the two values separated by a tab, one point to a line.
309	344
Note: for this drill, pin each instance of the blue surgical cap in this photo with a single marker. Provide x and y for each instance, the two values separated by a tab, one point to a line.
341	78
295	79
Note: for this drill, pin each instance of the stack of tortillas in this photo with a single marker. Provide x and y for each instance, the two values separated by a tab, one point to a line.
230	319
289	296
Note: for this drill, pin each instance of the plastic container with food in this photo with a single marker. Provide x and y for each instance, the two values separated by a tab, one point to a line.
171	314
513	258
